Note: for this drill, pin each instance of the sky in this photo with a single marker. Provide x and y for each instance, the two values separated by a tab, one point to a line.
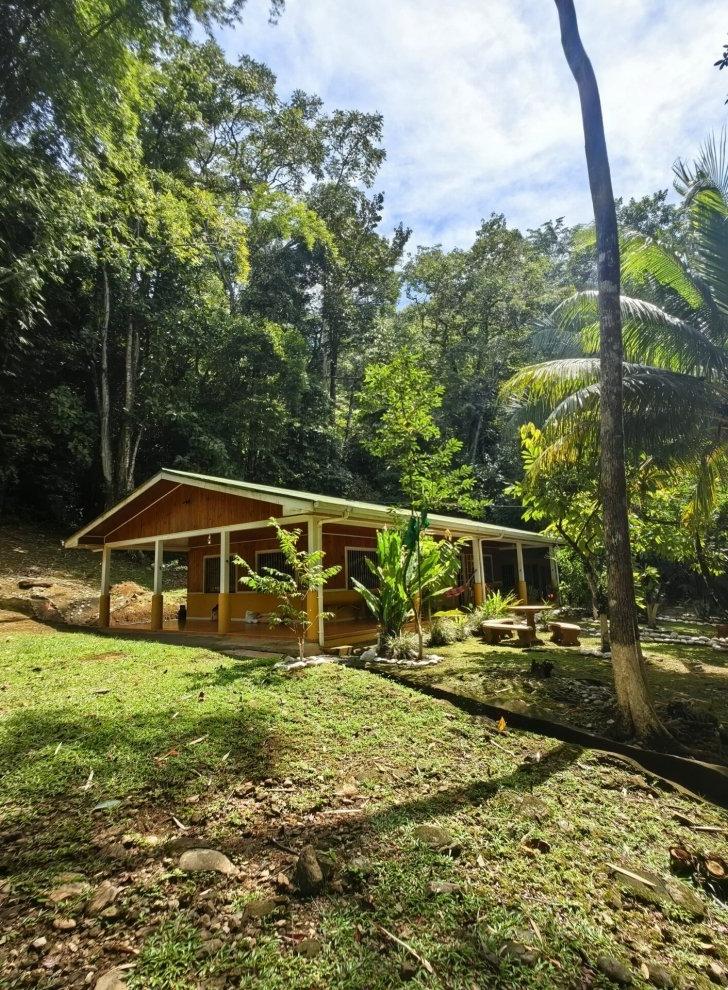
481	114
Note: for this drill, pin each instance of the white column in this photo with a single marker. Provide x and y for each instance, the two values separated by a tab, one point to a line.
320	591
522	588
105	570
158	560
478	589
554	564
225	562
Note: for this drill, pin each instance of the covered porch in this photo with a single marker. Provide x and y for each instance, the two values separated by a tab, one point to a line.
216	523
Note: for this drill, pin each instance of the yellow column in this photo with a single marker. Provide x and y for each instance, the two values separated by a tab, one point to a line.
312	633
223	598
522	587
105	596
157	622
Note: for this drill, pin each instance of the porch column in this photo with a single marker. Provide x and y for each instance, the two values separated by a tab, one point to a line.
522	589
315	599
105	596
157	622
223	598
553	563
478	585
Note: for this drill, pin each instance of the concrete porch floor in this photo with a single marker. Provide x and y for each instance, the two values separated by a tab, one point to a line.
250	635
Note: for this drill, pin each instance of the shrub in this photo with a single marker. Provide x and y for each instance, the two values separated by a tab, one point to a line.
447	627
403	646
494	606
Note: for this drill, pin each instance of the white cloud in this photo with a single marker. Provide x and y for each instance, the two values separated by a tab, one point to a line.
480	111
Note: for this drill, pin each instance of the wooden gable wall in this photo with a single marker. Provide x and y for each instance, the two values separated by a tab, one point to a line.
191	508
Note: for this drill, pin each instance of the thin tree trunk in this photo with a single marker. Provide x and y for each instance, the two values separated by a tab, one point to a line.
631	687
103	397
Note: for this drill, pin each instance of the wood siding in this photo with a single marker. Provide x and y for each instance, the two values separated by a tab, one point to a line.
190	508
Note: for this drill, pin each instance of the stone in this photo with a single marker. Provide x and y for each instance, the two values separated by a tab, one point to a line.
660	977
309	948
112	979
526	955
444	887
67	891
308	875
104	896
613	969
434	836
39	943
259	908
64	924
206	860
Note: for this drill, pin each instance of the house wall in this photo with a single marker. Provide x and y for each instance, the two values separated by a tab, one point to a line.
191	508
345	603
505	570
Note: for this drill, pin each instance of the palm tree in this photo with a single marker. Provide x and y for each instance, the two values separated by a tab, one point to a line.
629	680
675	334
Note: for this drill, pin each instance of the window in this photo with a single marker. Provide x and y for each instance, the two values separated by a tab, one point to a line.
356	566
271	558
211	576
488	569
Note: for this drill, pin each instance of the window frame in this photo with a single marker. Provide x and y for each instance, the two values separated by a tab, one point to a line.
259	553
233	574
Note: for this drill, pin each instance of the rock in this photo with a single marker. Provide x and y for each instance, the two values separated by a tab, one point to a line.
308	875
534	807
434	836
44	610
517	952
614	970
309	948
105	895
717	973
39	943
259	908
64	924
33	583
197	860
112	979
444	887
660	977
68	890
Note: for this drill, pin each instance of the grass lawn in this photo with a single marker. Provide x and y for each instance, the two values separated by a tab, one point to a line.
202	749
580	689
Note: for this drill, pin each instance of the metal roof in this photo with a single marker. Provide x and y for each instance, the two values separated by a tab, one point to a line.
301	501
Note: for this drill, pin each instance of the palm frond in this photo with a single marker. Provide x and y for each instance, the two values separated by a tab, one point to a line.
650	334
643	260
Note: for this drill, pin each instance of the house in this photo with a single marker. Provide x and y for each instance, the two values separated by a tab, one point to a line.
213	520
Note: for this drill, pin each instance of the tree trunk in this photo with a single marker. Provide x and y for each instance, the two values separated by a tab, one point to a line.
103	396
631	687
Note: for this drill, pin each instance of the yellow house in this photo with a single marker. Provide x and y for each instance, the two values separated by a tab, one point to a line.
213	520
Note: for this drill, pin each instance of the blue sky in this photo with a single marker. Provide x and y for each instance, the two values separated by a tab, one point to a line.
480	112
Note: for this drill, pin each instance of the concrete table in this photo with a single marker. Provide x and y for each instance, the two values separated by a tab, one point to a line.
529	612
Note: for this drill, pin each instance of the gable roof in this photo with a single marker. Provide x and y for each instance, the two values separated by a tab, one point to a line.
295	502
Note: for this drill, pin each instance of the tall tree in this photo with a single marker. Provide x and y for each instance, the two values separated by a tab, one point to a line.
629	678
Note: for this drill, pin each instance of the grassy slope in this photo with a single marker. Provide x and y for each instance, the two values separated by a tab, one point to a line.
499	675
338	757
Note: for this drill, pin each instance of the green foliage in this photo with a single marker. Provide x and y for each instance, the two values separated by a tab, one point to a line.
447	627
408	576
389	601
399	400
674	331
307	574
403	646
495	605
